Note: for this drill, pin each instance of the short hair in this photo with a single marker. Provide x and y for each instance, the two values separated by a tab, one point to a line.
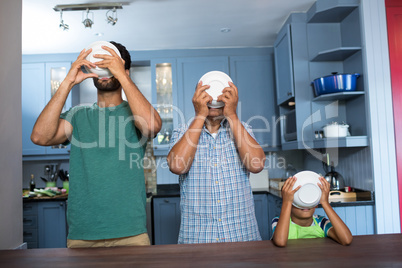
125	55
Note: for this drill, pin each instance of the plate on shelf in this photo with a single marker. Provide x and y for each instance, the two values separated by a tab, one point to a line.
309	195
217	81
97	49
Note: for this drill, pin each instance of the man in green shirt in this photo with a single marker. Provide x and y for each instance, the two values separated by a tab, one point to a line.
107	199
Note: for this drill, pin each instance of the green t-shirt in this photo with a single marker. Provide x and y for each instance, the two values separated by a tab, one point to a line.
107	196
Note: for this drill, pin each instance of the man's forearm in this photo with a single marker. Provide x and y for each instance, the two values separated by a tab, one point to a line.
146	117
250	152
181	156
46	125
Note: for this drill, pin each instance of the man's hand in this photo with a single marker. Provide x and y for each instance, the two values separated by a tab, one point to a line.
75	75
287	190
113	62
230	97
325	187
200	100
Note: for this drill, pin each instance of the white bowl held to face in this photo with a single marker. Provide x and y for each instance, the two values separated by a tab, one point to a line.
97	49
309	195
217	81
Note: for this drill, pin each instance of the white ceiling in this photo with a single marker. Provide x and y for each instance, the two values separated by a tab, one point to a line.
158	24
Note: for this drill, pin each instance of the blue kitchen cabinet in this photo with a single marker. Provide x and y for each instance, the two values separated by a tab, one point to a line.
261	214
293	89
189	72
39	80
33	102
165	101
254	78
284	65
310	45
52	231
166	220
55	72
359	219
44	224
30	224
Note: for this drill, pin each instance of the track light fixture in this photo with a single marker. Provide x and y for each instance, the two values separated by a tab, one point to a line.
87	21
62	25
113	18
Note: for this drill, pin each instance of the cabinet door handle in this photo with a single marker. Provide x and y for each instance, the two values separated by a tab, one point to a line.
61	204
289	93
166	201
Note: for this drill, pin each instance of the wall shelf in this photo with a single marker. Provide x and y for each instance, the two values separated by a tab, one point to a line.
330	11
339	96
350	141
336	54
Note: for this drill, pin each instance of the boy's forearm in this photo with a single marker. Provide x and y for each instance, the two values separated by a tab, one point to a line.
281	233
342	232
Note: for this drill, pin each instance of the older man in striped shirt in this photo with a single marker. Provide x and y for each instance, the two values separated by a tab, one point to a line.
214	157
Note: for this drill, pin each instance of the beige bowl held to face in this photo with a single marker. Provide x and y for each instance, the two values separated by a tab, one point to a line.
97	49
217	81
309	195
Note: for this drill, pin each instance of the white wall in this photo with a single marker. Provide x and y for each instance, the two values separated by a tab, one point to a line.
10	125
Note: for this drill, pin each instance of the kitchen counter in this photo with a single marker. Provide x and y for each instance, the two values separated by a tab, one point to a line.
61	197
365	251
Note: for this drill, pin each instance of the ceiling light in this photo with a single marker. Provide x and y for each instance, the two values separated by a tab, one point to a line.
225	30
62	25
113	18
87	21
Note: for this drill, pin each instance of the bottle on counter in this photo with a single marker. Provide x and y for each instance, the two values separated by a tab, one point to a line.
32	183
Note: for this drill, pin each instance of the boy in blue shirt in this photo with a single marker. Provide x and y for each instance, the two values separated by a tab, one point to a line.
296	223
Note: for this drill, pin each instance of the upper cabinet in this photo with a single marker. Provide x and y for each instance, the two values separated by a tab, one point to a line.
189	72
293	88
331	43
39	82
253	74
164	99
284	65
254	78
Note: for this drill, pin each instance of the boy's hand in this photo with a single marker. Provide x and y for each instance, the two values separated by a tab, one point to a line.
325	187
287	190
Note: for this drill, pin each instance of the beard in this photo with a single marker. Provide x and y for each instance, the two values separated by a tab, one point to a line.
109	85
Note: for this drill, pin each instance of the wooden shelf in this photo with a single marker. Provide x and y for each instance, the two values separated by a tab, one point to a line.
339	96
336	54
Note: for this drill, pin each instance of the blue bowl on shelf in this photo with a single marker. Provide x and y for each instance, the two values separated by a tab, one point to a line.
335	83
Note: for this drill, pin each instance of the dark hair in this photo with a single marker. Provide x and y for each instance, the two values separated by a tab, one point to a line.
125	55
